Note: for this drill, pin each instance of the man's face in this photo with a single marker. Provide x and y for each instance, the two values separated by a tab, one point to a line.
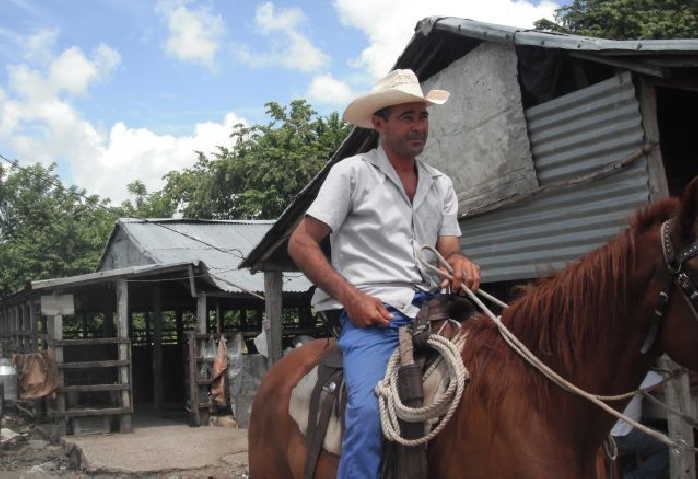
405	130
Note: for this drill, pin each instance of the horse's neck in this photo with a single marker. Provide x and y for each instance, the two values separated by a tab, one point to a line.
610	363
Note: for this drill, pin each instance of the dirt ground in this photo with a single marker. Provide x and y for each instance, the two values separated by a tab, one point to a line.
26	453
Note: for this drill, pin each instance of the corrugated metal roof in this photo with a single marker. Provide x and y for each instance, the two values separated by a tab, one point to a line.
502	33
219	245
570	136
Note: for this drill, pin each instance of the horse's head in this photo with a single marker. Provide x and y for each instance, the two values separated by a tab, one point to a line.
679	237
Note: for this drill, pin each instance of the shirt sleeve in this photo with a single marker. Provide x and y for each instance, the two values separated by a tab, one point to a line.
449	225
333	201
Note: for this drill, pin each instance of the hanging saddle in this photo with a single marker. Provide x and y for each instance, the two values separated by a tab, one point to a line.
318	401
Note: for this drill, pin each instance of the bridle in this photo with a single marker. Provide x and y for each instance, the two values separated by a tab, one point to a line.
675	273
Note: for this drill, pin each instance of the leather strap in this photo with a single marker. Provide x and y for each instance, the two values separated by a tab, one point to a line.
322	402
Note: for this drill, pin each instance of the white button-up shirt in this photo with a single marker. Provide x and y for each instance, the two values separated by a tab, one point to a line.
377	233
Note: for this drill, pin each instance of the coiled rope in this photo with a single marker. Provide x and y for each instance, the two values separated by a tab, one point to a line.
523	351
445	404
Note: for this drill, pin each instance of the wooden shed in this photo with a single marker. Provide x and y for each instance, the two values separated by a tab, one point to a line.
131	338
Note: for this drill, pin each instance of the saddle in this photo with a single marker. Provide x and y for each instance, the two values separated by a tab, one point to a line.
319	399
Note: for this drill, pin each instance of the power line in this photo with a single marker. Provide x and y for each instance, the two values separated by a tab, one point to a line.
232	251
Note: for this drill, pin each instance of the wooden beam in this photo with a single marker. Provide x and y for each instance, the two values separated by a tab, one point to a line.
125	424
179	325
201	313
193	380
659	187
88	341
678	396
107	411
632	65
219	318
95	387
273	306
148	327
56	335
109	363
157	348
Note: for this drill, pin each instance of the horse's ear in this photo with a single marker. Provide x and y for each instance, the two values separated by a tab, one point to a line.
689	210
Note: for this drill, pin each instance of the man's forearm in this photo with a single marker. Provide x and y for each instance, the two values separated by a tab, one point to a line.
448	247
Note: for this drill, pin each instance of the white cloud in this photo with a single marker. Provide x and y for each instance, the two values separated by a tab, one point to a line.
283	20
71	71
327	90
289	47
390	28
39	46
139	153
42	126
194	34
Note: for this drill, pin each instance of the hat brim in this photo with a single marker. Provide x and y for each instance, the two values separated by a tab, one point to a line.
360	111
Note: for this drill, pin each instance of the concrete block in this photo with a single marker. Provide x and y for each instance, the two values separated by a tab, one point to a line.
480	136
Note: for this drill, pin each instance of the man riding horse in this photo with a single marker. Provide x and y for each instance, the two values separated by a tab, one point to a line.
379	208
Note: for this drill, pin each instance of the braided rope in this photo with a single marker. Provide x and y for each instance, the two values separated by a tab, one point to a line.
523	351
391	408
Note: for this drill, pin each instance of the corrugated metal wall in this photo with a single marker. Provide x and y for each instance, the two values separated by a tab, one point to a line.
570	136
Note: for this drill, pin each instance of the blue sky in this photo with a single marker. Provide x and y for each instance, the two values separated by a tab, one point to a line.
114	90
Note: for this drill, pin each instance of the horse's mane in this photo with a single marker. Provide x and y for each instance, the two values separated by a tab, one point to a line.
552	316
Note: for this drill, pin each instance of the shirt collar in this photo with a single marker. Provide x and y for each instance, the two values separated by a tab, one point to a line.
425	173
379	158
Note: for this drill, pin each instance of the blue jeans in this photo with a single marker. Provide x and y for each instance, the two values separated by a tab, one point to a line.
366	354
655	454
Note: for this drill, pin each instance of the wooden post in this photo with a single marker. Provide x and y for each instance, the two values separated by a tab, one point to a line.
125	424
678	396
272	308
15	327
201	313
179	325
157	348
148	328
193	379
219	318
655	166
34	311
56	335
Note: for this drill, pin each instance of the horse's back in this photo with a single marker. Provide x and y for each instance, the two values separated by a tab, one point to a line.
276	448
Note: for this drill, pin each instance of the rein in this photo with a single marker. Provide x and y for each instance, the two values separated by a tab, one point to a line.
523	351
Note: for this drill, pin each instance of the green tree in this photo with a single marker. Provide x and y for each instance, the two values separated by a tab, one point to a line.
147	205
263	169
627	19
46	229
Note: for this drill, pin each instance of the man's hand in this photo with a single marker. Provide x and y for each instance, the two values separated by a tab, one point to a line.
364	310
465	272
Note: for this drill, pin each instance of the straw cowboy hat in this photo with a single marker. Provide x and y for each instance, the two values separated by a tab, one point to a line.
400	86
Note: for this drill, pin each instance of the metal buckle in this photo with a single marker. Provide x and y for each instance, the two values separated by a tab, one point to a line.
684	281
330	387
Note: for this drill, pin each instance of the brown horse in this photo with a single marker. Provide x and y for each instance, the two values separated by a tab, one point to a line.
588	323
